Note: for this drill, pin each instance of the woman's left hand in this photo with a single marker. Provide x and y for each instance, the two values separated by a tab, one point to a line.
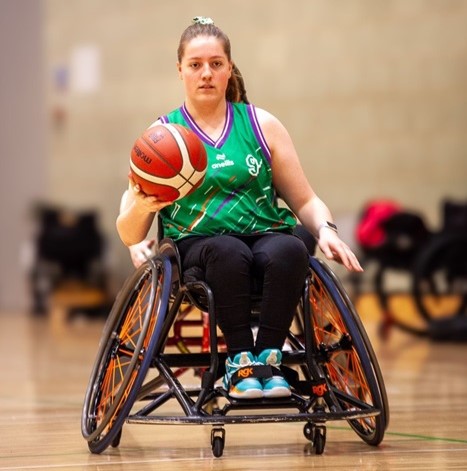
141	252
335	249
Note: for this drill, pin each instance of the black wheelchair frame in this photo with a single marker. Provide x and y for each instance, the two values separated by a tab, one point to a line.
439	286
329	363
436	263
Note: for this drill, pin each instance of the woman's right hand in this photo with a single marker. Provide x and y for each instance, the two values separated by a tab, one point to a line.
137	212
146	203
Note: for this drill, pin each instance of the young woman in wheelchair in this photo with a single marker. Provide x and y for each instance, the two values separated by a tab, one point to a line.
232	228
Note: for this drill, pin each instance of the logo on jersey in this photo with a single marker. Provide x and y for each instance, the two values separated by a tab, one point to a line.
222	161
254	165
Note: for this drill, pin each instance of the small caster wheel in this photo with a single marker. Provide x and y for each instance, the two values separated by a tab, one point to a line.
308	430
116	440
217	447
319	440
217	441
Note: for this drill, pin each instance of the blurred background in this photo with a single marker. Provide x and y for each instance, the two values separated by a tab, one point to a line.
373	93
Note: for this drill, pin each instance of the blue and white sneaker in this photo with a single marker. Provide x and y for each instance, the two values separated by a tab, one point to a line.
238	380
276	386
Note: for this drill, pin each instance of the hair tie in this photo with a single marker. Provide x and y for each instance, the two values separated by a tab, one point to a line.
203	20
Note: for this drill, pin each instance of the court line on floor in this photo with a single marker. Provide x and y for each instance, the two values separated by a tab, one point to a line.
412	435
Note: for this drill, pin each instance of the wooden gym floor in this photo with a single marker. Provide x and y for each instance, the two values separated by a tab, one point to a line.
44	373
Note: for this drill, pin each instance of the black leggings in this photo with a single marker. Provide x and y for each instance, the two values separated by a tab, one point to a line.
230	263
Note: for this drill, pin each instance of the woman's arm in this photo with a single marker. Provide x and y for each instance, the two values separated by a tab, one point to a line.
137	212
293	187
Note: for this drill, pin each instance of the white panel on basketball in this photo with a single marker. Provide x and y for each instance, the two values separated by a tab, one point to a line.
187	169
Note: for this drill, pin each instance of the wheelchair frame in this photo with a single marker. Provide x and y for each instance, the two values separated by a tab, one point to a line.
329	363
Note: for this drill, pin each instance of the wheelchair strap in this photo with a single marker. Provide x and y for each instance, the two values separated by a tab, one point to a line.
255	371
305	387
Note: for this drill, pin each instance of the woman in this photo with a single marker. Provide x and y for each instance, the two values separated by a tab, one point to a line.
232	227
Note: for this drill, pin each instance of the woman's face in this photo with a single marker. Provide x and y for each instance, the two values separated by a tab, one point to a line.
205	69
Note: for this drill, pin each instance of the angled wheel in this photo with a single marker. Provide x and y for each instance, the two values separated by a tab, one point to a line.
125	353
349	361
440	278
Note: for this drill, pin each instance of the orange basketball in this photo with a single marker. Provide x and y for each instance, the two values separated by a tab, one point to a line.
168	161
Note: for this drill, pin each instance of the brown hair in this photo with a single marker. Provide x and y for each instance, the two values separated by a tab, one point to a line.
236	91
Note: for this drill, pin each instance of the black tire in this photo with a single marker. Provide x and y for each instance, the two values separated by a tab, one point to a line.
352	371
319	440
217	441
116	440
217	447
125	353
440	278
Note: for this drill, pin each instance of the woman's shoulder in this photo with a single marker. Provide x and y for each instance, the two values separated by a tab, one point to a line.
264	116
260	115
173	116
268	122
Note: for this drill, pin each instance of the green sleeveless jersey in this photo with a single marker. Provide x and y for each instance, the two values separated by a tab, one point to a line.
237	196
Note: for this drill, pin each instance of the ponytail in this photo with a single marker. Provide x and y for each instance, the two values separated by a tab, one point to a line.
236	91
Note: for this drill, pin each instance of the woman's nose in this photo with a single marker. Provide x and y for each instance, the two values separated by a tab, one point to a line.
206	72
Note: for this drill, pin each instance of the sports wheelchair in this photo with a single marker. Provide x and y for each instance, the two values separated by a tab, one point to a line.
327	359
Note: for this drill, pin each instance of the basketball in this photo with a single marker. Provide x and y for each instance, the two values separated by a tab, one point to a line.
168	161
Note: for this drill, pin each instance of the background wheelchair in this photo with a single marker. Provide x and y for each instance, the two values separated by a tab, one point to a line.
328	361
435	265
439	284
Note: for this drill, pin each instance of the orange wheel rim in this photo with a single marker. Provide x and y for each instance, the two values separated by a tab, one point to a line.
125	343
343	367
